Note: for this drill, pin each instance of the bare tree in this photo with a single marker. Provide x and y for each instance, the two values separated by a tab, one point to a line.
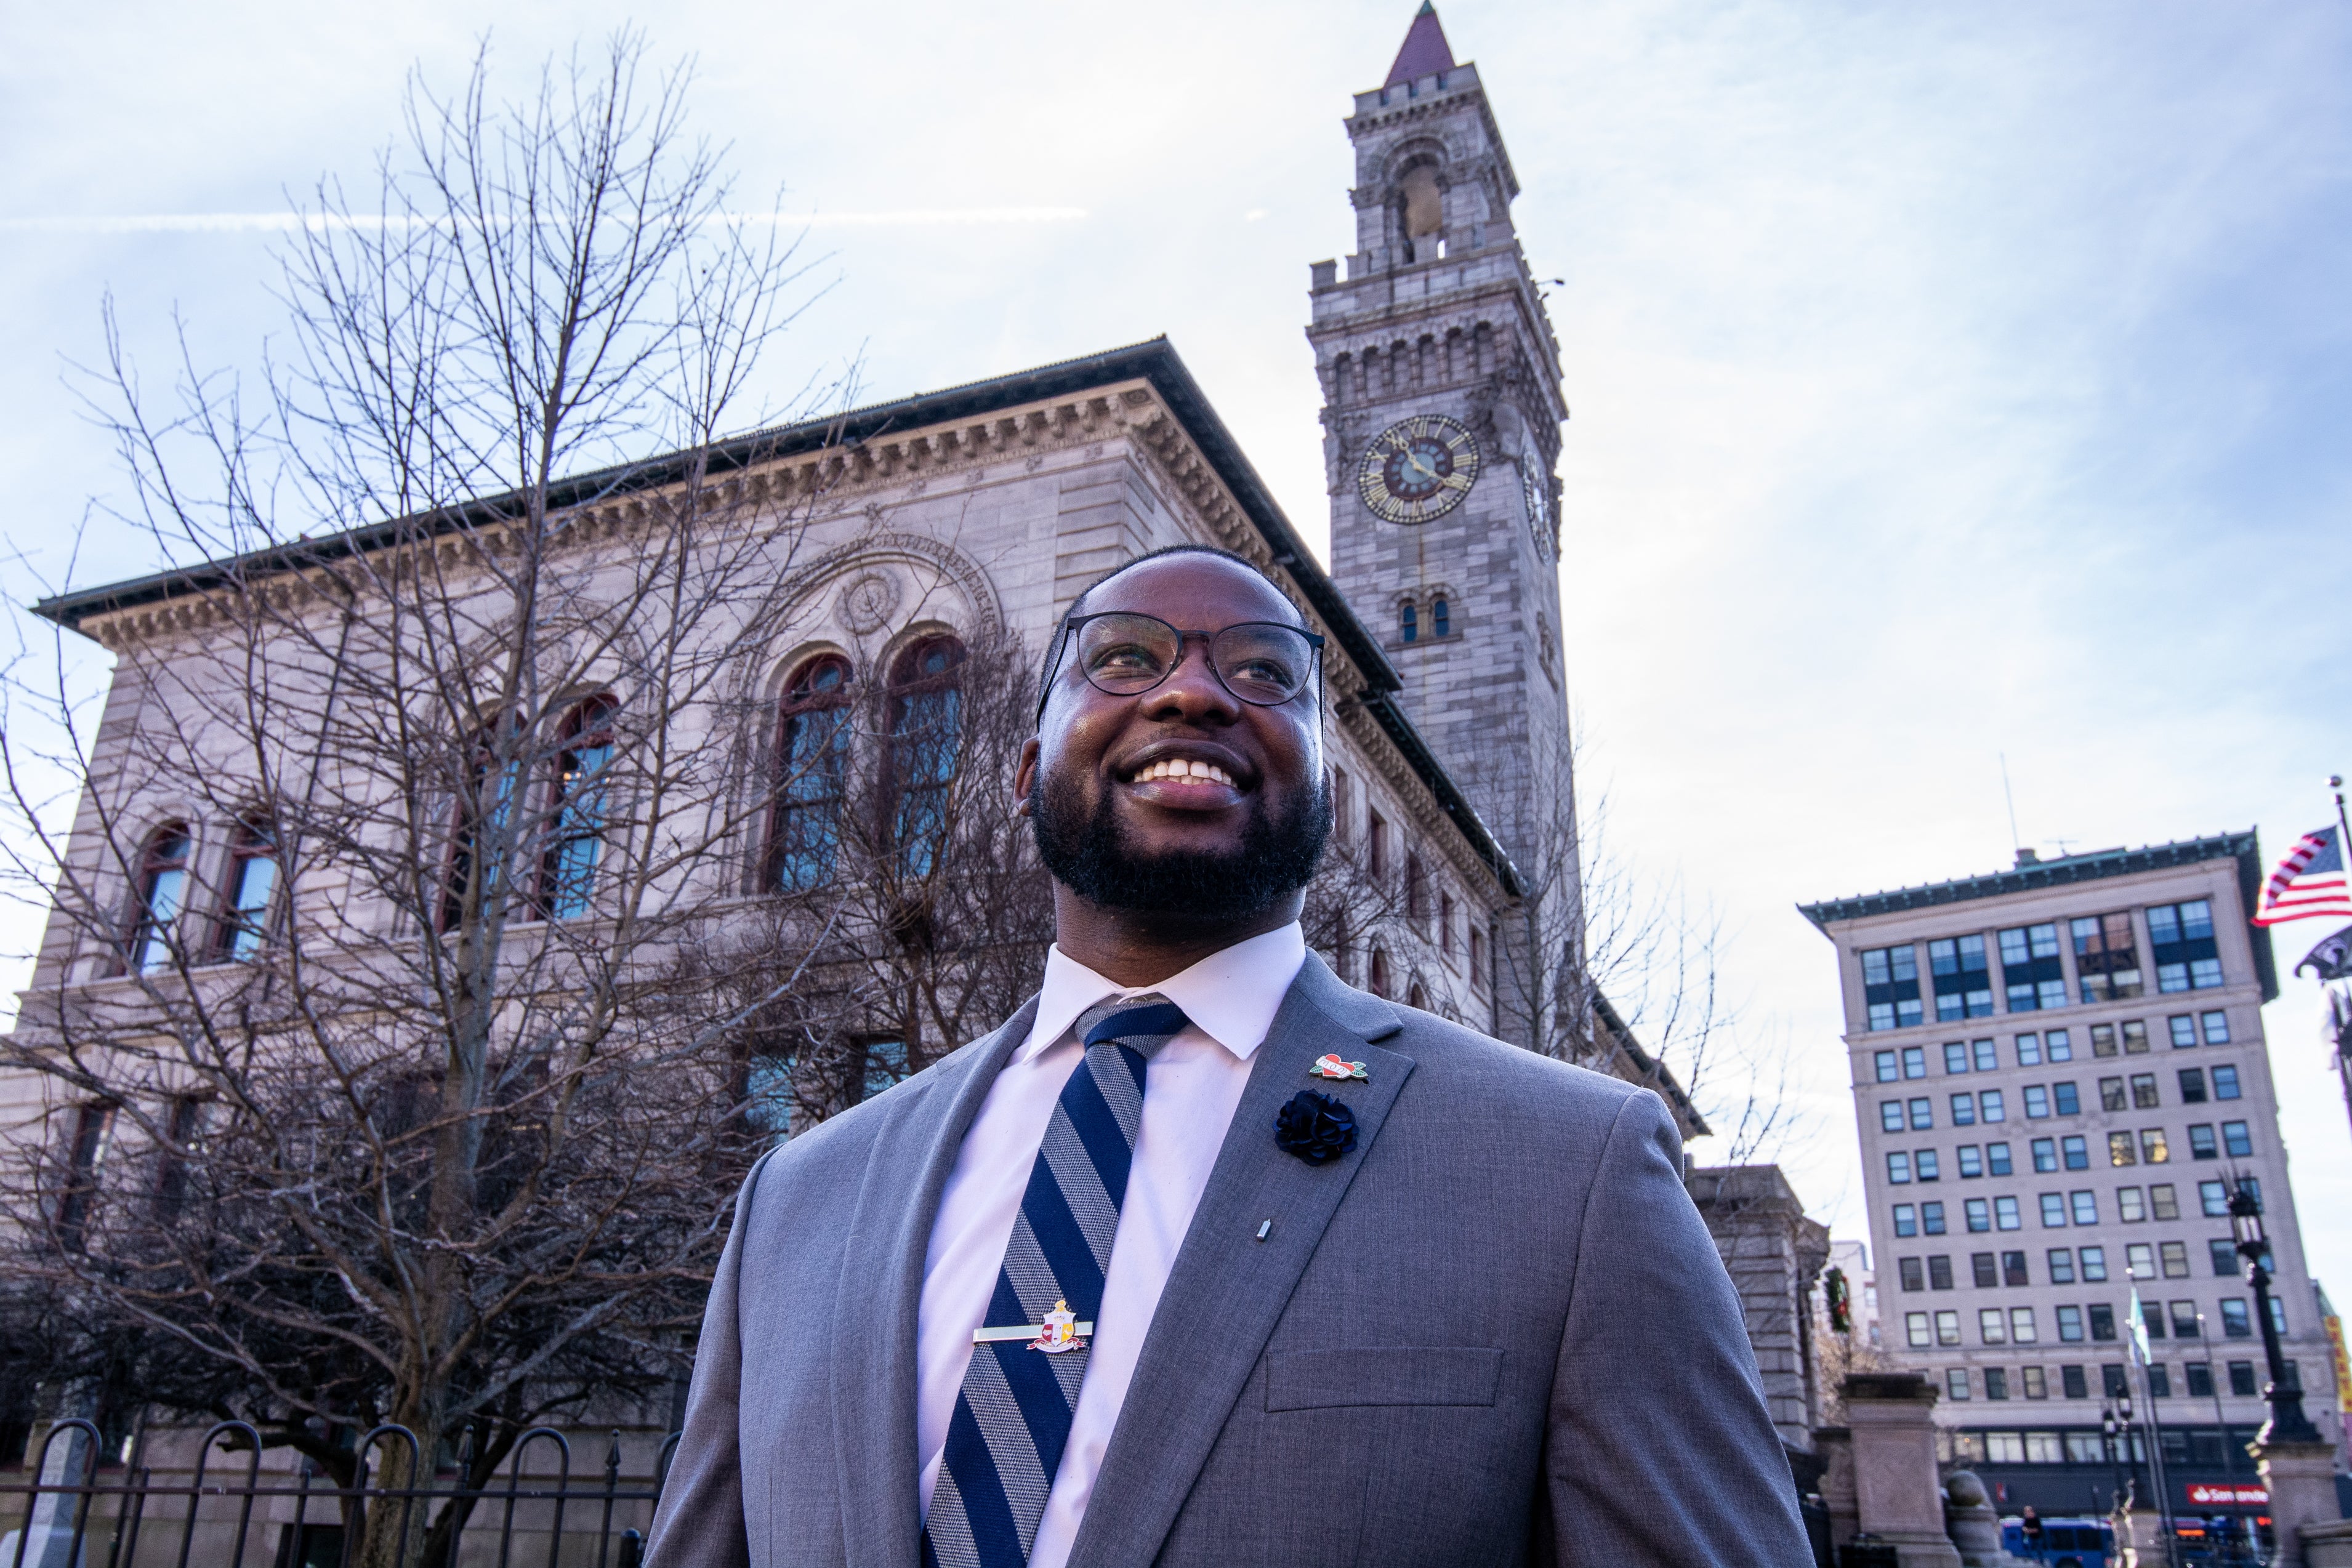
406	809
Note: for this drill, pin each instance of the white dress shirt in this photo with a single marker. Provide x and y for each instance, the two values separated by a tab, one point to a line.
1190	1091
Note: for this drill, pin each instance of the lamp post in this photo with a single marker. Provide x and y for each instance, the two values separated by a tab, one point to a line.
2127	1431
2112	1429
2287	1424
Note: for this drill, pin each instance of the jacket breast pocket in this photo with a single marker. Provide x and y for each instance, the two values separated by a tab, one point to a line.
1385	1375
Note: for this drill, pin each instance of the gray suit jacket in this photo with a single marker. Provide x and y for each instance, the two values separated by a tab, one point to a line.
1496	1332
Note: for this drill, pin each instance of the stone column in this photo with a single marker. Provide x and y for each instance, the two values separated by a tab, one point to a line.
1896	1493
2301	1478
49	1537
2327	1545
1835	1446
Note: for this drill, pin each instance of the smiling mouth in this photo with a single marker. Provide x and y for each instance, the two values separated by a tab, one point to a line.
1180	769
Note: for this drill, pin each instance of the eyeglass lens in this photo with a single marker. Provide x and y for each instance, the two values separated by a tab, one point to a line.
1262	663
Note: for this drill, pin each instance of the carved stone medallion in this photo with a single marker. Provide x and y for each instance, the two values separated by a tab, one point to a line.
866	604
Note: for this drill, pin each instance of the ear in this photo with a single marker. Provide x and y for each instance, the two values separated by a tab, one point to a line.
1024	777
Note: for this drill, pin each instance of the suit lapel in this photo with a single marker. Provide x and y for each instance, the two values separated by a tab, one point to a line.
1228	1289
881	1295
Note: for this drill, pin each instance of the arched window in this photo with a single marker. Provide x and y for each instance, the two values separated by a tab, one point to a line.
93	1131
483	812
575	838
1410	620
926	734
1379	977
1441	617
811	761
250	886
1417	997
162	894
1421	212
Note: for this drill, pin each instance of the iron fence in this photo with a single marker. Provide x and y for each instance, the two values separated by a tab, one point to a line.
76	1514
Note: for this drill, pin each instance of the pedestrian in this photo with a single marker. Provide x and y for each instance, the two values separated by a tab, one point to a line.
1204	1257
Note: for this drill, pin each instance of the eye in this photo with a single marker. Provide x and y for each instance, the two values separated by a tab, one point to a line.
1263	671
1122	658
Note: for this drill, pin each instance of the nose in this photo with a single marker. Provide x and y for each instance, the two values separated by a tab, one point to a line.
1192	692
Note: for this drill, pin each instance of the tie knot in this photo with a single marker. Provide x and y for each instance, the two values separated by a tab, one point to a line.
1142	1024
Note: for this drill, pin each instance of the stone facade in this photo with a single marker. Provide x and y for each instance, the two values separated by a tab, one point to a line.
975	511
1774	1255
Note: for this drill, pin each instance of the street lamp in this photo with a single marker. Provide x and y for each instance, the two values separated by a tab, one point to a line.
2131	1442
2115	1427
2287	1424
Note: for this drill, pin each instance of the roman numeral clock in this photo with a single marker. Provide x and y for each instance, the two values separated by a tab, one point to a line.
1418	469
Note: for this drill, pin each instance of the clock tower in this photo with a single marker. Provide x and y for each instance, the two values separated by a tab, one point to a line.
1442	412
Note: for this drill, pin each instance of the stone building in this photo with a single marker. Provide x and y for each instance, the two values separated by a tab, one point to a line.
2057	1069
1774	1255
969	514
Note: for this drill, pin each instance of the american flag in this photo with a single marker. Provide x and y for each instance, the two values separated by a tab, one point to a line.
2309	881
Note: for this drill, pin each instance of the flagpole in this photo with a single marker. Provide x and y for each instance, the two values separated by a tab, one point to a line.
2137	1350
2156	1467
2342	1029
2339	1019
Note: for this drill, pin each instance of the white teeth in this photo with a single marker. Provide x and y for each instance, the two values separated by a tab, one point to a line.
1180	767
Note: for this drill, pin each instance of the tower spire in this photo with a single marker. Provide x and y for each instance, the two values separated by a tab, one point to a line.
1425	50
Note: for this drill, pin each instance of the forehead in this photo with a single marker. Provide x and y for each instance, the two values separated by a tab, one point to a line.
1194	591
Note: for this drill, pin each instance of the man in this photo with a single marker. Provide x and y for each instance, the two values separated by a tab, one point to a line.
1205	1257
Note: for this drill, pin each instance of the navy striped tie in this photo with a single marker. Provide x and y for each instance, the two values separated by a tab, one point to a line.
1012	1420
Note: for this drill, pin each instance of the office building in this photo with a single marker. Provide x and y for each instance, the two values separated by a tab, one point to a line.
2058	1070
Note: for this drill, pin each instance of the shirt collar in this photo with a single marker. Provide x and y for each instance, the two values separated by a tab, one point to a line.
1231	996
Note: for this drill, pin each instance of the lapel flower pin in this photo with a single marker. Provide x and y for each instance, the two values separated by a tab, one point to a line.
1330	1066
1316	1127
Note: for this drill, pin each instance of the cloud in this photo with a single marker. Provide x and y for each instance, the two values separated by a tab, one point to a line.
321	223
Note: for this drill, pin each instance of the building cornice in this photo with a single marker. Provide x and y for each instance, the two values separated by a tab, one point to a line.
2035	876
1363	319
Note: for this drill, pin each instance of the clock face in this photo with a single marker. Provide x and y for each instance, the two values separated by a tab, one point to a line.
1418	469
1539	497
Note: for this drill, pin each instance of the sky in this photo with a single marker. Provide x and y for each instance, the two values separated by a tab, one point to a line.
1958	387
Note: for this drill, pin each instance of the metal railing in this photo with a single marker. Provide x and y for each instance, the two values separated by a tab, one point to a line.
136	1519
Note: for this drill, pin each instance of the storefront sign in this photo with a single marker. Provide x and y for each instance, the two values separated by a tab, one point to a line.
2206	1496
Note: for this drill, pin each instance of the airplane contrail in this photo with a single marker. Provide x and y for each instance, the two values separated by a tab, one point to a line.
321	222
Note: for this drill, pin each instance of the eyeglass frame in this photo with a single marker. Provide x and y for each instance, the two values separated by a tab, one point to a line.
1069	634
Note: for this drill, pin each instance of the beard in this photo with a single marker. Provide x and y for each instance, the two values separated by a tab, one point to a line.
1089	854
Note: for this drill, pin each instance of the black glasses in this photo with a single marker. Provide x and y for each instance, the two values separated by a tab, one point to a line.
1263	662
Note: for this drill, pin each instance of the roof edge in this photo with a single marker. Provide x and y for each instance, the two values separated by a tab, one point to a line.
1662	1075
2028	878
1155	360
